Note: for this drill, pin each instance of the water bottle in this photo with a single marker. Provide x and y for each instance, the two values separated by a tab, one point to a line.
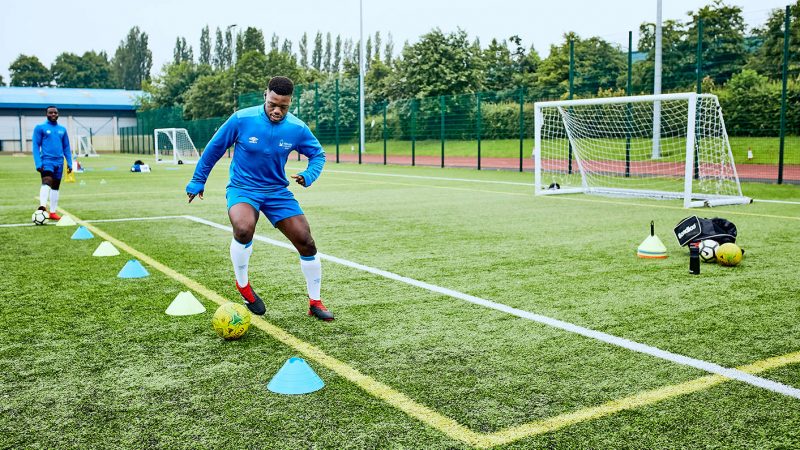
694	258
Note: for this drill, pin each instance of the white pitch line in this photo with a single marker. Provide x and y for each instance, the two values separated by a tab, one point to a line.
566	326
700	364
513	183
420	177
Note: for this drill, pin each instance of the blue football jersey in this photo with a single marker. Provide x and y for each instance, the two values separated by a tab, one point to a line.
261	149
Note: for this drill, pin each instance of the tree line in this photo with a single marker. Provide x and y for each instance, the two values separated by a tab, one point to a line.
207	83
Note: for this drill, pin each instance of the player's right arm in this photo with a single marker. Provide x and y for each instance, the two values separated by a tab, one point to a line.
37	143
222	139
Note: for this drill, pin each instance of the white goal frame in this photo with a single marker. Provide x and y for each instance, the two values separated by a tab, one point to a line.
84	147
181	151
694	192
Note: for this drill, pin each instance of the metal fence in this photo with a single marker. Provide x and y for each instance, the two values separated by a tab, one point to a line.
494	130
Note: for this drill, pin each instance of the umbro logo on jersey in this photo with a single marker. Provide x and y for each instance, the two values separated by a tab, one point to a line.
253	140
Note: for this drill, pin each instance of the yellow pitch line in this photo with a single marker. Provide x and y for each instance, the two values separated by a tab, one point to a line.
428	416
379	390
627	403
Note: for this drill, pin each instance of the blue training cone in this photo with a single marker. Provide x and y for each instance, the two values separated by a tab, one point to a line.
82	233
295	377
133	269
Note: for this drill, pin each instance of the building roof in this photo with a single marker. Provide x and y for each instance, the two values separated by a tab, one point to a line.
69	98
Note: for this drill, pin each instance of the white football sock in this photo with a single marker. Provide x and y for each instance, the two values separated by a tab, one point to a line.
312	270
53	200
240	257
44	192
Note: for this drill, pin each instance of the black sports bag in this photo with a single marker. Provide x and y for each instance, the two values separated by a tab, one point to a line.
696	229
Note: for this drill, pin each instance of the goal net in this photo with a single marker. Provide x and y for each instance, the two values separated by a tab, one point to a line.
611	146
174	145
84	147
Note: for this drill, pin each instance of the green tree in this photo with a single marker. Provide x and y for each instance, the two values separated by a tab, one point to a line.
281	63
92	70
768	58
132	60
327	58
678	65
304	51
182	51
724	51
337	55
28	71
251	72
316	54
275	42
210	96
438	64
598	65
388	52
526	63
2	82
205	47
500	68
219	51
252	41
377	82
286	47
171	86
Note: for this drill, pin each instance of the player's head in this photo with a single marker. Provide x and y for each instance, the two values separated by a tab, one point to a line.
52	113
278	98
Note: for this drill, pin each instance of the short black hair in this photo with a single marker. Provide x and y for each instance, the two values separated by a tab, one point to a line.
281	86
51	106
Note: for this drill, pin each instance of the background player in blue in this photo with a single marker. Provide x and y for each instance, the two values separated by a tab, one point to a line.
50	147
263	136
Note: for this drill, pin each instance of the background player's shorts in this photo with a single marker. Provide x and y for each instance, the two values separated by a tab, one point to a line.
52	170
276	205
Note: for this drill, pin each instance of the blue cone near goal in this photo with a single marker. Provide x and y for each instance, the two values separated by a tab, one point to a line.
82	233
133	269
295	377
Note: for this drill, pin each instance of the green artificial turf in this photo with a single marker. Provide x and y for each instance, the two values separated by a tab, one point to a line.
89	360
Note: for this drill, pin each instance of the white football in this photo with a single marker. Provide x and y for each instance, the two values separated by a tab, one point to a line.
708	250
39	217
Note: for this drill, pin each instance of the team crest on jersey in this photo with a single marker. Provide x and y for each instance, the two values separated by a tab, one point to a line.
285	145
253	140
48	131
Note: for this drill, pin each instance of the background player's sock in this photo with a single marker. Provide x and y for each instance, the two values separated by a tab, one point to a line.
53	200
44	193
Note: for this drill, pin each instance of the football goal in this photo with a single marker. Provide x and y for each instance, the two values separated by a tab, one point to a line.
608	146
174	145
84	147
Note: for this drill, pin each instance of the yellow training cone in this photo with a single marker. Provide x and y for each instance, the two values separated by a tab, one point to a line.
105	249
66	221
652	247
185	304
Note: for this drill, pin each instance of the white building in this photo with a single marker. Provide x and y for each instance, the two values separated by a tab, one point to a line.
95	115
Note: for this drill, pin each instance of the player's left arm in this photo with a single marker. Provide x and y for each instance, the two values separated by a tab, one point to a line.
67	150
310	147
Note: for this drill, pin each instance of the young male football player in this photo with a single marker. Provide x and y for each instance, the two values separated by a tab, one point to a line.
50	147
263	136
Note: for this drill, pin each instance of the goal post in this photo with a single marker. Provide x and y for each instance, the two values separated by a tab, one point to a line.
84	147
174	145
606	146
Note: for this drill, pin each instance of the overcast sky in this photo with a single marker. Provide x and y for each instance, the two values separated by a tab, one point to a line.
48	29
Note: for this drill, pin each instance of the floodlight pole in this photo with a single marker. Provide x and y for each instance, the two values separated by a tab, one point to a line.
361	78
657	87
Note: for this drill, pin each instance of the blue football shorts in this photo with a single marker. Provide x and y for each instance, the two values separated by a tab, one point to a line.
276	205
54	170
